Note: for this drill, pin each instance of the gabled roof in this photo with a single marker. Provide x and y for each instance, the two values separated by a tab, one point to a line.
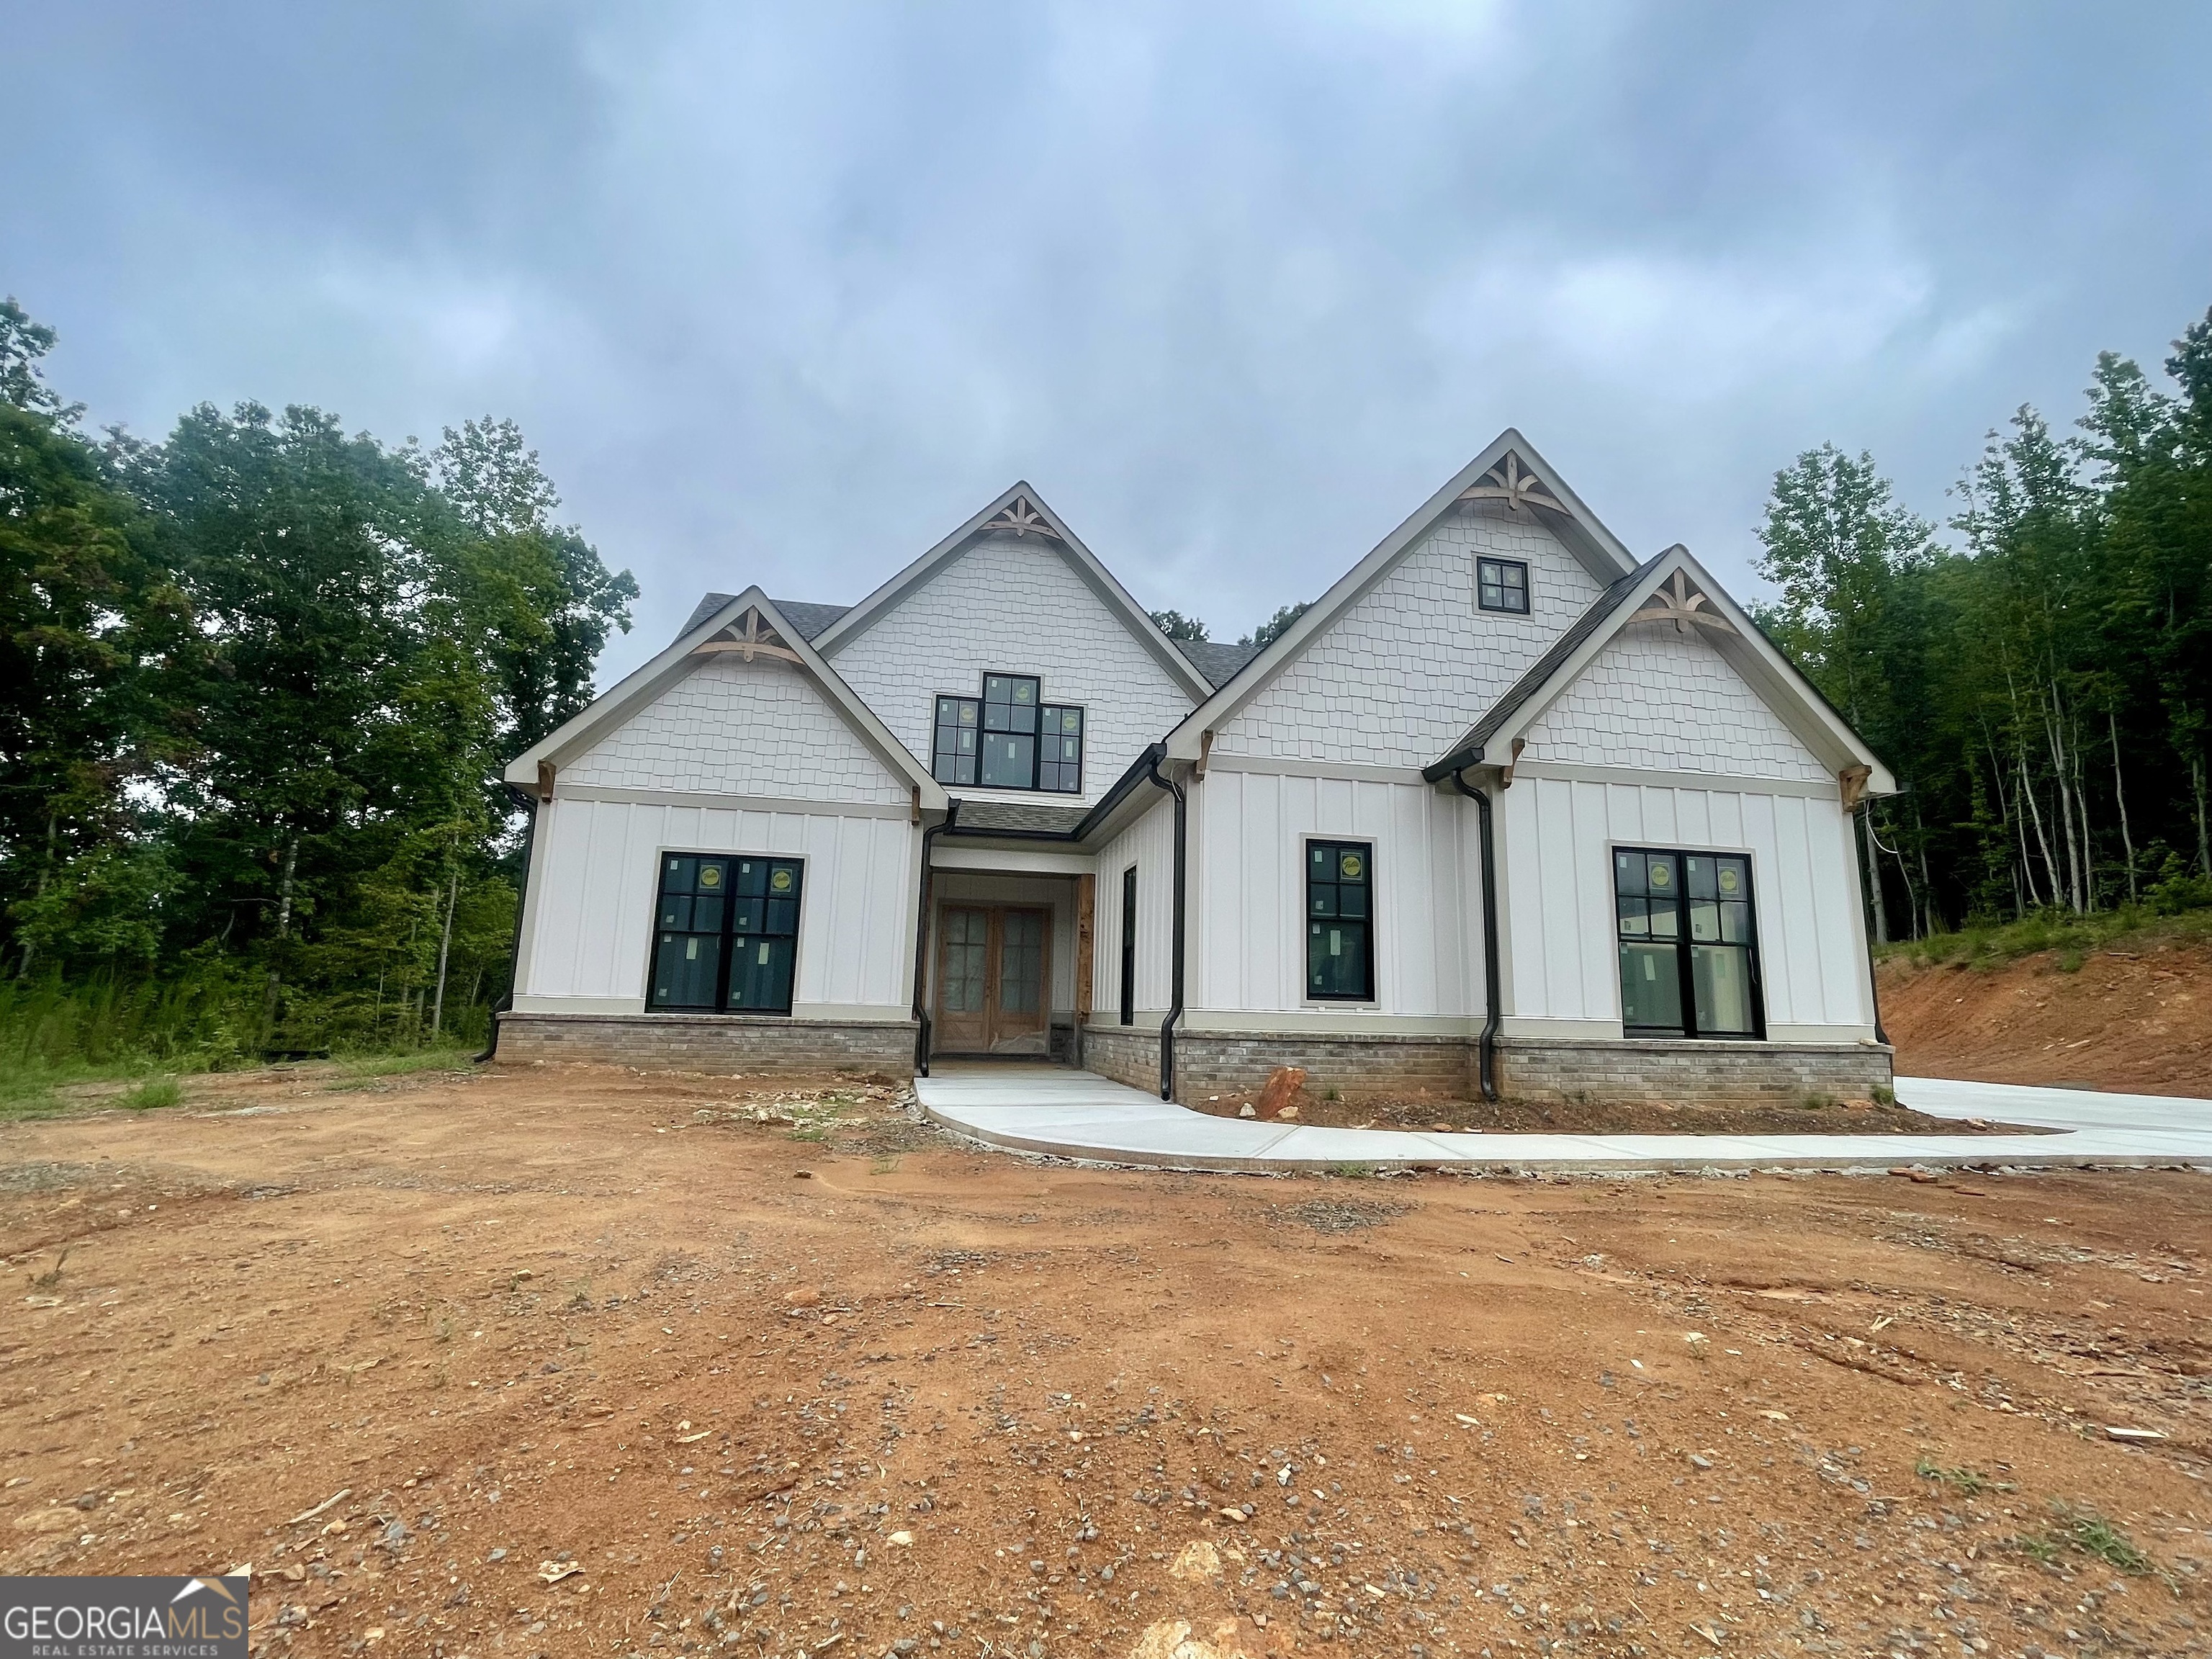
747	614
1510	471
1671	590
1022	512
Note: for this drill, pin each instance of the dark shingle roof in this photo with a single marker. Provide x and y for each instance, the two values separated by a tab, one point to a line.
812	620
1468	750
1217	661
809	619
984	817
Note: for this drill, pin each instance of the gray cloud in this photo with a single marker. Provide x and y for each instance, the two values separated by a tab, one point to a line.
783	294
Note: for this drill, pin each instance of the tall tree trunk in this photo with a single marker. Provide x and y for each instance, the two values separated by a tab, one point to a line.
2204	845
1927	881
445	946
2120	794
1874	878
2082	805
2035	814
2057	746
283	927
53	829
2020	903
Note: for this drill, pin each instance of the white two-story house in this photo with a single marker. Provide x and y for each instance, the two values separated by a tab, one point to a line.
1508	810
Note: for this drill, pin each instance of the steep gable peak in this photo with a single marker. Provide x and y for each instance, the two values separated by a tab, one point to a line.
1679	600
751	634
1511	482
1021	517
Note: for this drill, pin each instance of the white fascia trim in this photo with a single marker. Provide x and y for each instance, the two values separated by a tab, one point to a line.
1719	783
1606	559
1101	581
819	809
1350	771
648	682
1010	861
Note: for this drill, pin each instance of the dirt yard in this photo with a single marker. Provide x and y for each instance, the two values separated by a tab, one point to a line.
2139	1021
1811	1115
571	1362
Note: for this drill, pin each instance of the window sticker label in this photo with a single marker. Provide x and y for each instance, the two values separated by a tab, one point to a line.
710	876
1352	867
781	881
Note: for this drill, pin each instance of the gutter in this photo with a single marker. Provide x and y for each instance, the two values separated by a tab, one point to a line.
1487	1045
1153	757
528	802
921	942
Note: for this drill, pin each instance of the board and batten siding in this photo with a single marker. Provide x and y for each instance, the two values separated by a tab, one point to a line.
1555	881
1413	661
1014	607
1149	844
594	879
1248	832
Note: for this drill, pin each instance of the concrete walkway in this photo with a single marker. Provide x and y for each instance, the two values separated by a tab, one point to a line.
1069	1114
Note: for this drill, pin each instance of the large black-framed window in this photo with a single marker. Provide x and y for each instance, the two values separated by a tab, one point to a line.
1341	920
726	933
1502	585
1689	944
1009	738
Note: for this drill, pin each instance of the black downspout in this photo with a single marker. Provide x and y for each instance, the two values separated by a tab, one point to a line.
1874	987
1487	1046
921	942
1174	967
521	897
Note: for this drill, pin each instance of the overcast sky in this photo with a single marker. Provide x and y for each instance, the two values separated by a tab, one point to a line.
783	294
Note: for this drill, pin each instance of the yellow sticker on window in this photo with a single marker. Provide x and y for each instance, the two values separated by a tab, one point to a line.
1660	875
781	881
711	876
1351	867
1729	879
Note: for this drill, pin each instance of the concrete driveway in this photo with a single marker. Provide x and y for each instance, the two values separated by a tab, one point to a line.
1071	1114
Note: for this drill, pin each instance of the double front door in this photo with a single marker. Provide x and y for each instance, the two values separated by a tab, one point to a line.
991	979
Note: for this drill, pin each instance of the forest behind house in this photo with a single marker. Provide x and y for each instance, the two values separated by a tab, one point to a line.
258	680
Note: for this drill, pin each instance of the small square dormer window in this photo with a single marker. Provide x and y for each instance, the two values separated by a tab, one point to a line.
1502	585
1009	738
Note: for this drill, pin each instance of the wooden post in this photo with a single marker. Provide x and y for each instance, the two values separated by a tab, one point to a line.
1087	895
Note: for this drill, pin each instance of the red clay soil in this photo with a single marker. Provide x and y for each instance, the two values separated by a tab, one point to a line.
566	1362
1805	1117
2136	1022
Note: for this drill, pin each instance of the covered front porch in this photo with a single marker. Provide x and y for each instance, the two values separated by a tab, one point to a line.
1005	954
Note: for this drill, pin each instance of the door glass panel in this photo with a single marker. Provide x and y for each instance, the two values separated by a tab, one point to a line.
965	944
1010	759
1021	963
1680	914
687	953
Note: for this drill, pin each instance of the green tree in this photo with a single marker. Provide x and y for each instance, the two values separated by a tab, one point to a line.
1274	628
1176	626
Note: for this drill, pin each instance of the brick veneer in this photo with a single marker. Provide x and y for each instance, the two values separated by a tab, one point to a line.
1689	1074
684	1043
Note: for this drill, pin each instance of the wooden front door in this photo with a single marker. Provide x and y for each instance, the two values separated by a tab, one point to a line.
991	979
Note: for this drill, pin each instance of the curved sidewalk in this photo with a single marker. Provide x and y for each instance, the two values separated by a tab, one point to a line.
1080	1115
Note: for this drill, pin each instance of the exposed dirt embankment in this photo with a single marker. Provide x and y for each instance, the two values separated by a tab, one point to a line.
2136	1021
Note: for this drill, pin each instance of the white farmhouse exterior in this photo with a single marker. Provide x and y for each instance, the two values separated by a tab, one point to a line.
1507	809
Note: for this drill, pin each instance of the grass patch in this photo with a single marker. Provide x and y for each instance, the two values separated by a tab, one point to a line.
152	1096
1353	1171
2130	928
1971	1482
809	1132
367	1070
2085	1532
887	1164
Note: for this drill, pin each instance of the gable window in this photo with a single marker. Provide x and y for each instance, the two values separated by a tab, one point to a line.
1340	920
1009	738
1689	956
726	933
1502	585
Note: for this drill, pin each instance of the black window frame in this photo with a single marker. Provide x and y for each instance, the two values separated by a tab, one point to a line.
955	716
1506	591
1315	916
1685	940
741	919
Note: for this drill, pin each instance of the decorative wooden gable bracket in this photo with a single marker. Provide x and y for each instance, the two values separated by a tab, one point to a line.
1851	784
1022	519
750	635
1681	605
1508	481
